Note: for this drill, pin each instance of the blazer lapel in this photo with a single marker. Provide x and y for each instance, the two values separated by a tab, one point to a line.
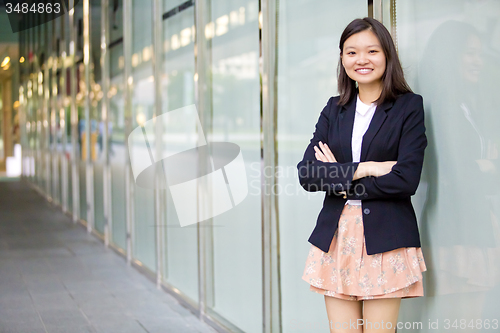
345	123
377	121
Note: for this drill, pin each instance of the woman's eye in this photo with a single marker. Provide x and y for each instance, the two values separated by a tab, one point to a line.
373	51
350	52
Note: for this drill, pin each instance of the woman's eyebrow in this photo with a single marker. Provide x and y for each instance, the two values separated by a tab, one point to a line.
352	47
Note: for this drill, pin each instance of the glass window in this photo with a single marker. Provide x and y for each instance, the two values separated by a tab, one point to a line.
237	233
181	266
116	128
97	125
450	52
142	111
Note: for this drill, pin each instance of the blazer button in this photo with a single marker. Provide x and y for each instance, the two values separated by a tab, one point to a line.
337	187
366	211
366	194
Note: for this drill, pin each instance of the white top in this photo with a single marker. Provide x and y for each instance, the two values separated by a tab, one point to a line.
362	119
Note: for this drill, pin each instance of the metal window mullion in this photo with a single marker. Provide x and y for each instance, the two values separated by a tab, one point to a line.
64	127
27	151
89	170
394	30
385	12
108	225
23	120
127	94
37	112
40	115
22	110
377	10
54	93
75	149
22	101
271	293
29	100
34	109
159	193
203	97
39	133
31	107
46	118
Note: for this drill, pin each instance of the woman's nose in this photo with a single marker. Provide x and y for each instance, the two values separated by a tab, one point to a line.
361	60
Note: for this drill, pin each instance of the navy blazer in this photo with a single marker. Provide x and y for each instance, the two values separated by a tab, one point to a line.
396	133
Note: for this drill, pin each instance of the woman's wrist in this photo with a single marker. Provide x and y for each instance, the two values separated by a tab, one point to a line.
371	168
362	170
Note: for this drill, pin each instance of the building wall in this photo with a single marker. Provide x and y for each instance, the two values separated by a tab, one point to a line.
258	74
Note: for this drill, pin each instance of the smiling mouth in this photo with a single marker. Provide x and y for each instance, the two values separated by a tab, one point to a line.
364	70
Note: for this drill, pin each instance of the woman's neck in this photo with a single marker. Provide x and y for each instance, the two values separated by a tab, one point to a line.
369	94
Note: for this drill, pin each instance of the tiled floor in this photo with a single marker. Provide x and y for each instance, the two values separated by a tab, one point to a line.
54	277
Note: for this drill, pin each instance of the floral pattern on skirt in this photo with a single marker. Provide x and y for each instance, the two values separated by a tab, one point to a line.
348	272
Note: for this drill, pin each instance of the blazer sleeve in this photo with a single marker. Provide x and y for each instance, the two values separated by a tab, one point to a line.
315	175
404	177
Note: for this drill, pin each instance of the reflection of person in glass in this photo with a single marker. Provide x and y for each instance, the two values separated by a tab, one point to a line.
367	154
461	169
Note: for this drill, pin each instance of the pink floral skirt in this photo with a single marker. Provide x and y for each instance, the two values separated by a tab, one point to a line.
348	272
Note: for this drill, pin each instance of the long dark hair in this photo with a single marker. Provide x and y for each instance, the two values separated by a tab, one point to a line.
393	80
441	59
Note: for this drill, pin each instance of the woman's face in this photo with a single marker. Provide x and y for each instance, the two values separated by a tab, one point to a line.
363	58
472	61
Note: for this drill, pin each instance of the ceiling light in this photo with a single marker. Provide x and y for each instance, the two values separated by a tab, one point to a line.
5	61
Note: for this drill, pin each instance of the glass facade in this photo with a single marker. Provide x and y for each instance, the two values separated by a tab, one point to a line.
180	268
259	73
460	231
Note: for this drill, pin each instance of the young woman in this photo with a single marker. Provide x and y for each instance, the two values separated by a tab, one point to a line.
367	153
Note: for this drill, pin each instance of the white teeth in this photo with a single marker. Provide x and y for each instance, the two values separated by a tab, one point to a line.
363	70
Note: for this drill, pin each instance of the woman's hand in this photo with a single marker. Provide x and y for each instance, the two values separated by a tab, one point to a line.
324	154
365	169
381	168
486	166
375	169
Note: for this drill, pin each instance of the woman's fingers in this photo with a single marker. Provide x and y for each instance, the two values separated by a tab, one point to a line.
328	152
324	154
319	155
486	166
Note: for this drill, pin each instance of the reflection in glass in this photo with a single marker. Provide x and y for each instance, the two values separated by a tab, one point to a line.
236	118
116	125
462	228
180	267
450	50
97	125
142	110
